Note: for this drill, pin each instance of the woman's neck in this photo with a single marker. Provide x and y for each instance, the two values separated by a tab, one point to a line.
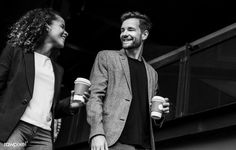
45	49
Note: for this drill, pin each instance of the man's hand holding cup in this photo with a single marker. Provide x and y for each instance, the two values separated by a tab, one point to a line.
159	107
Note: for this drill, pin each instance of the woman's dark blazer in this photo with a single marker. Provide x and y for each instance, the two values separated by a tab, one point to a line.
17	73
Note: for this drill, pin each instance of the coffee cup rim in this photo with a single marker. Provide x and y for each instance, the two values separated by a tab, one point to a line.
86	81
158	98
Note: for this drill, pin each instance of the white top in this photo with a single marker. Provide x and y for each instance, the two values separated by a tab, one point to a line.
38	111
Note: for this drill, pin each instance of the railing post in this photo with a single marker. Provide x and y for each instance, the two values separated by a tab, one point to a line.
183	83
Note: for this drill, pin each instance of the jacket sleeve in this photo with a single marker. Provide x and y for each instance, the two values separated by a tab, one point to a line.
63	108
156	84
94	107
160	122
5	64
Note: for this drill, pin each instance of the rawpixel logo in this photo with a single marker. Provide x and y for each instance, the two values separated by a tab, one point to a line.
14	144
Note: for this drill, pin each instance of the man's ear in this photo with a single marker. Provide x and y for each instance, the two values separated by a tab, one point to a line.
145	34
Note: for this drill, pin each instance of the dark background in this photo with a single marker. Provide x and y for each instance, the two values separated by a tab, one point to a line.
94	25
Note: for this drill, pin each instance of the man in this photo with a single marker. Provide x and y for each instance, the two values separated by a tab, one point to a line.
123	85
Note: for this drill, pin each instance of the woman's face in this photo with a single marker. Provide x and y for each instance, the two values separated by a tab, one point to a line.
57	33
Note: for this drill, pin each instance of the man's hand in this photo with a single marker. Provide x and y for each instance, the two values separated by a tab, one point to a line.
99	143
166	106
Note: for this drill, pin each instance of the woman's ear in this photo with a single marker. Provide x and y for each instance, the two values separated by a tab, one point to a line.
48	27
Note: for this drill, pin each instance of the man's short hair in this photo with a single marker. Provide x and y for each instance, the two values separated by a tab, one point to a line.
145	23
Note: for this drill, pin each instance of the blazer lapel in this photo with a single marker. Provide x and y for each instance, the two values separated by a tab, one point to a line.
57	84
30	70
125	65
148	81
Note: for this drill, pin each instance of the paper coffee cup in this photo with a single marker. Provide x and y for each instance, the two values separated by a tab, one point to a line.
81	85
157	107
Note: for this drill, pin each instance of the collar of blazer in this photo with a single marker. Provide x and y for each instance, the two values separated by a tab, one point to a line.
124	55
30	70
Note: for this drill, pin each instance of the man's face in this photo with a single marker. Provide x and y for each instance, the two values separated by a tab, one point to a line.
131	35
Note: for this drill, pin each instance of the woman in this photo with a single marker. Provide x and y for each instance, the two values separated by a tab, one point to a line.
30	81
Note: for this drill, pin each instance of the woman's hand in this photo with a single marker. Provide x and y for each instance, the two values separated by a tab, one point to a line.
77	101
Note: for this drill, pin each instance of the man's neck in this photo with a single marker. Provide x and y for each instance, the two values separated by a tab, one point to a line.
134	53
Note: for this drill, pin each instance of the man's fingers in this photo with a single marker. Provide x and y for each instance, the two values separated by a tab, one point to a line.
166	99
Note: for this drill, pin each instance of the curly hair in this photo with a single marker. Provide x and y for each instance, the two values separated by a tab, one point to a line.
145	22
30	30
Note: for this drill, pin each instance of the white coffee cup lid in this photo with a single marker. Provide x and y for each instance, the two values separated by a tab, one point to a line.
158	98
83	80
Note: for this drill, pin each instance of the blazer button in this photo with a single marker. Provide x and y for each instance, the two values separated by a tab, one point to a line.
122	119
25	101
48	119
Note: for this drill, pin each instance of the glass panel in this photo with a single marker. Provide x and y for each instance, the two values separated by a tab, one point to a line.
213	77
168	83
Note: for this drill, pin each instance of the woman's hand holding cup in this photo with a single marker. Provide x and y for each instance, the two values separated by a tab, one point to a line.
80	94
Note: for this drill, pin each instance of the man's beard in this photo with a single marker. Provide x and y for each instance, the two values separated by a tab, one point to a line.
133	45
